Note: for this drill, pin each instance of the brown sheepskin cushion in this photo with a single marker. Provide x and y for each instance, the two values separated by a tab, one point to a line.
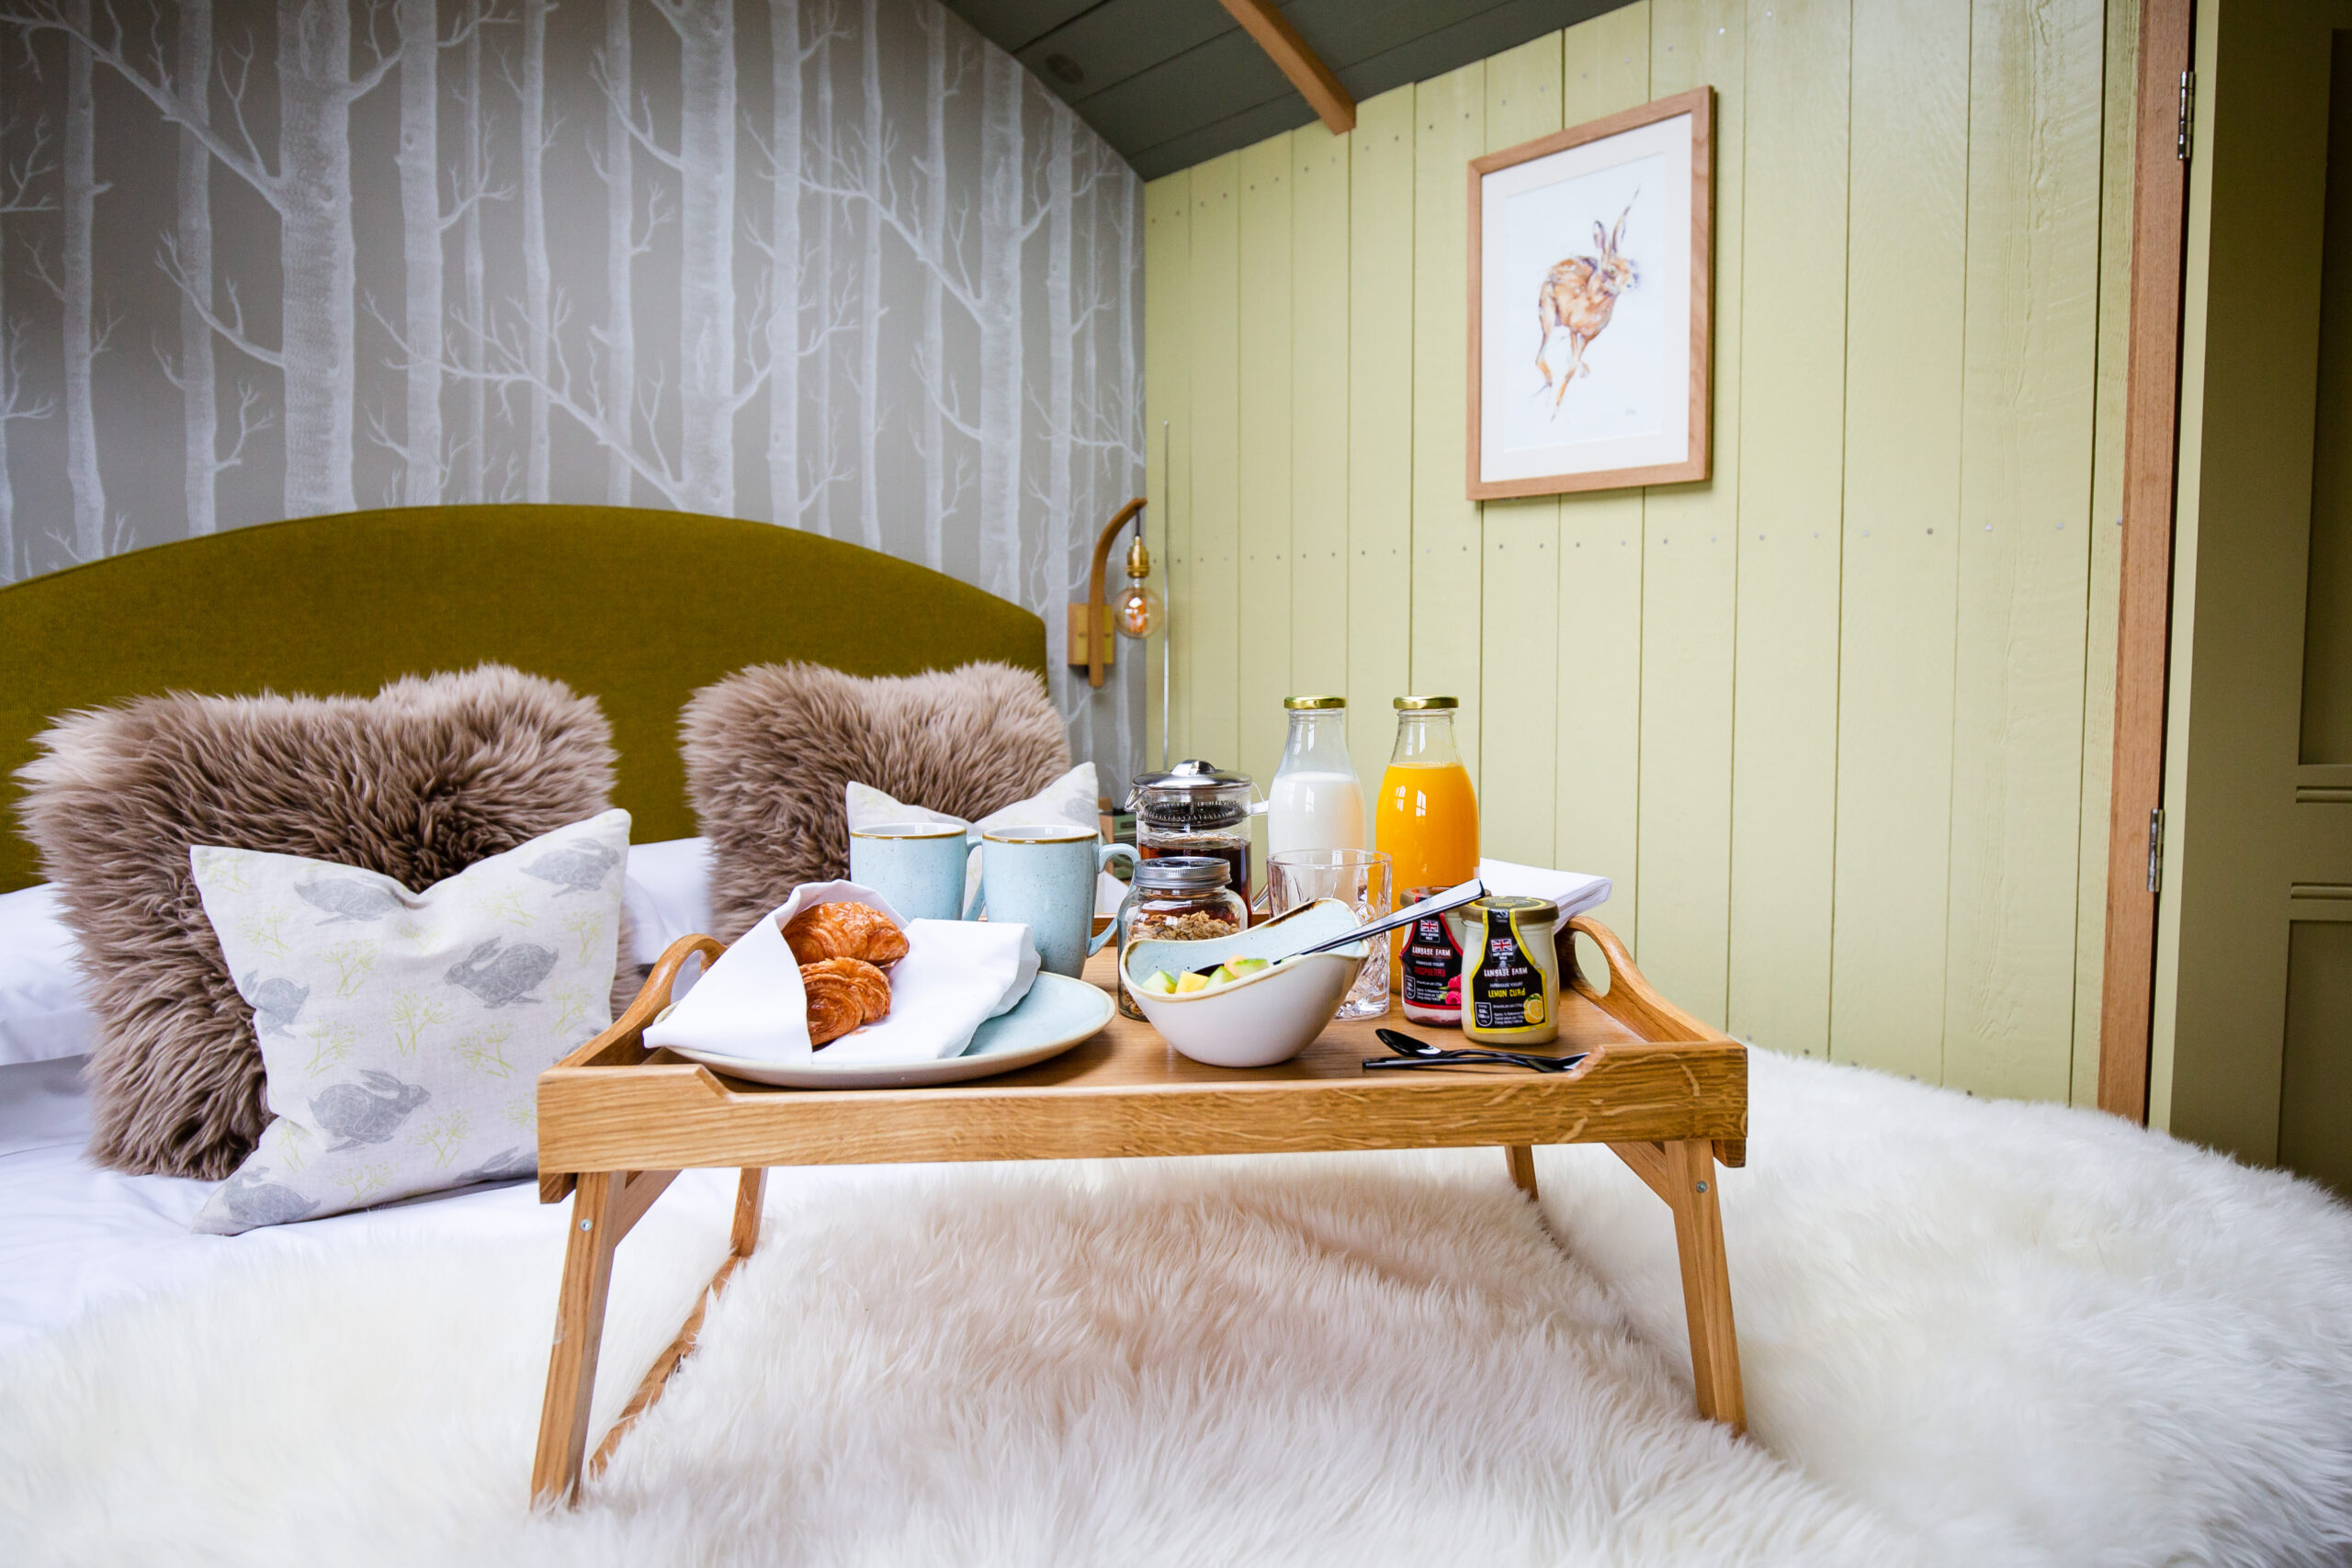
769	749
417	783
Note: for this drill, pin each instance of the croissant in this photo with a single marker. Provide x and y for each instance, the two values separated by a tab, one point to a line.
845	931
843	994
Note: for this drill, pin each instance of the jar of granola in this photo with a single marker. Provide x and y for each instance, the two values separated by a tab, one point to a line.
1177	898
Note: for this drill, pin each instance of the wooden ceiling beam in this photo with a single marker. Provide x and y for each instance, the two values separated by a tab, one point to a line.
1289	52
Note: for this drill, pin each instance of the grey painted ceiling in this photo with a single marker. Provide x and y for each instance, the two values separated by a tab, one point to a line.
1170	83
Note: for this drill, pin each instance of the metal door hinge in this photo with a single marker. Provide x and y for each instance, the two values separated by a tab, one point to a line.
2188	114
2156	850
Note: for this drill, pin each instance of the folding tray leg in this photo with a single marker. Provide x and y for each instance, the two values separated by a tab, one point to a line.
1706	1281
579	1335
1521	1157
742	1237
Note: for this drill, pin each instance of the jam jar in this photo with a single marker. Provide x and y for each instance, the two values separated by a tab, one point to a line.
1176	898
1195	808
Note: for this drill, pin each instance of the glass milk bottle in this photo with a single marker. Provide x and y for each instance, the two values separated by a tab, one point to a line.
1314	802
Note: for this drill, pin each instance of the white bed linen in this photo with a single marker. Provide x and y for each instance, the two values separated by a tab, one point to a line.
41	1014
73	1235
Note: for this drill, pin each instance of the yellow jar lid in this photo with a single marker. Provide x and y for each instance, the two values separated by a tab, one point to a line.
1416	703
1512	903
1315	702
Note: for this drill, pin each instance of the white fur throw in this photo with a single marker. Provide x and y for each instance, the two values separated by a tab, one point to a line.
1973	1333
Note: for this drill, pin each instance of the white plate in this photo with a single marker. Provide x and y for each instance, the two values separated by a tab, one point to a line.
1057	1014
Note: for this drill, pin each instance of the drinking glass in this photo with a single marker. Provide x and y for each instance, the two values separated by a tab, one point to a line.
1362	879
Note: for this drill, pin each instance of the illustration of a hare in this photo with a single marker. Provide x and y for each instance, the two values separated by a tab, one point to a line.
1580	295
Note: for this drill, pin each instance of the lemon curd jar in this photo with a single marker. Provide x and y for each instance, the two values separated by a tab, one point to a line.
1511	972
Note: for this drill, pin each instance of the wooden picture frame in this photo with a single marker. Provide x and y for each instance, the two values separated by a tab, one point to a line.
1642	416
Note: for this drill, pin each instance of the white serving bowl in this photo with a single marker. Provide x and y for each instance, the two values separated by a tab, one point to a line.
1263	1018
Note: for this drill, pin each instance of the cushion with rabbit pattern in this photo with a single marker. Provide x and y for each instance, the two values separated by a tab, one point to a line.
404	1032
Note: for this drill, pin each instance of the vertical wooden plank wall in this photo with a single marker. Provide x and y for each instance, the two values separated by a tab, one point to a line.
1597	737
1519	581
1687	597
1793	353
1262	548
1449	129
2034	147
1840	743
1379	351
1907	292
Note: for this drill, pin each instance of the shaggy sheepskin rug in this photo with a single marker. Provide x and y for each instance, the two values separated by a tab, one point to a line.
1973	1333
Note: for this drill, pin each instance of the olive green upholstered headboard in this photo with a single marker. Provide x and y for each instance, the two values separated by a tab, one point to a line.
635	608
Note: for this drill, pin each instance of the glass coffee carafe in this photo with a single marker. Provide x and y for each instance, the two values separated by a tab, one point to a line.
1195	808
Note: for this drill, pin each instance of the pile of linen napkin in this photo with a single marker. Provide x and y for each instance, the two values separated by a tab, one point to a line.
955	977
1572	892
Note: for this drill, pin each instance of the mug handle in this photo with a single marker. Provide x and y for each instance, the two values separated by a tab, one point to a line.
1102	859
975	899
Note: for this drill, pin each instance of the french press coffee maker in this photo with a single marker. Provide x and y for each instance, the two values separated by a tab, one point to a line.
1195	808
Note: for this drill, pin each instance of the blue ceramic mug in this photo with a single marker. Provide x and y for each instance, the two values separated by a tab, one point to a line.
918	866
1044	877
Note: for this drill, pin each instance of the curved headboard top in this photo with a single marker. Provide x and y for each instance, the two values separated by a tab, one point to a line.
636	608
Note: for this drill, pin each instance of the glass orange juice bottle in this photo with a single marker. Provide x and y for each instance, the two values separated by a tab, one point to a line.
1426	819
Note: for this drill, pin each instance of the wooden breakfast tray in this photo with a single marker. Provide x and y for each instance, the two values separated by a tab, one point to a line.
618	1122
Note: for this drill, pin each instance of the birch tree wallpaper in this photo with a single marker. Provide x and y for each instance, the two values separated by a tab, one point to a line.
838	264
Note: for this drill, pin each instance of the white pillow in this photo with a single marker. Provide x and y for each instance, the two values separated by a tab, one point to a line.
42	1018
668	895
403	1032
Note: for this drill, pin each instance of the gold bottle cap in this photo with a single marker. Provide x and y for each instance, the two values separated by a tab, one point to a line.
1419	703
1296	703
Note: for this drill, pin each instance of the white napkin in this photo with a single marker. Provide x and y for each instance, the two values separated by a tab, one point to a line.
1068	801
955	977
1573	892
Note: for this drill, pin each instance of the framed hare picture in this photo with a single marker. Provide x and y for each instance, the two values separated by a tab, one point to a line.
1592	264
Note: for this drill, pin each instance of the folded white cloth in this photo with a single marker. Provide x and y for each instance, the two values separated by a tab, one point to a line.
1573	891
955	977
1069	800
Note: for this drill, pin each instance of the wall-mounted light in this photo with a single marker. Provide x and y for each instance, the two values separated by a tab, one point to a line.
1095	627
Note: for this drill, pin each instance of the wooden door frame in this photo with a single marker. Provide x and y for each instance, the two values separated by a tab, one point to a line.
2142	649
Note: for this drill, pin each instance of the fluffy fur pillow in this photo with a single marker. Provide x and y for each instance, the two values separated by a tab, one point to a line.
769	749
417	783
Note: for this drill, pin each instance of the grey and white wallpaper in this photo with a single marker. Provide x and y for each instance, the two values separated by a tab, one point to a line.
838	264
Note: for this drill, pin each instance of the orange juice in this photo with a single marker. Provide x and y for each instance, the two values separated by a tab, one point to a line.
1426	819
1427	822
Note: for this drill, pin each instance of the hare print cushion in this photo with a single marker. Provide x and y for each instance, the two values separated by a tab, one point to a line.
404	1032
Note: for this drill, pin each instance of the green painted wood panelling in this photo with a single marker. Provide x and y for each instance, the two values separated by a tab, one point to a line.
1262	543
1167	405
1784	703
1688	593
1847	773
1449	129
1319	412
1520	590
2033	225
1380	424
1210	646
1905	298
1597	737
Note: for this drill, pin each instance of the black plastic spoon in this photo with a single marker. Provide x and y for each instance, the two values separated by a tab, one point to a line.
1412	1053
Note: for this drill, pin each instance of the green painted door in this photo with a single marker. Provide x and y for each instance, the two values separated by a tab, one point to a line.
2253	1048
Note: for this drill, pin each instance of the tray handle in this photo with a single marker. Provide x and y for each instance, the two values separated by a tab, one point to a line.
623	1045
1630	1000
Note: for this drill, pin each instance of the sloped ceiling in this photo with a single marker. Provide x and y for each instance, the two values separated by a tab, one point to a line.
1170	83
